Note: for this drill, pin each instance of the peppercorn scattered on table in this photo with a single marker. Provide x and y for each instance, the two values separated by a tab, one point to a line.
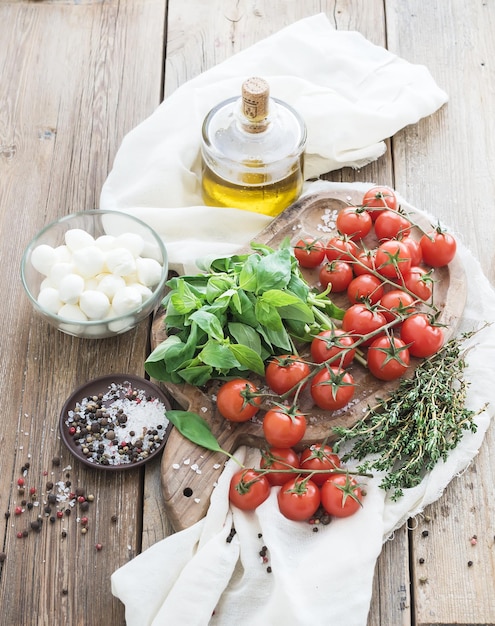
76	78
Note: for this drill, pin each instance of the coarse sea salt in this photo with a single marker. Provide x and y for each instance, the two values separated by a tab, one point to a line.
123	425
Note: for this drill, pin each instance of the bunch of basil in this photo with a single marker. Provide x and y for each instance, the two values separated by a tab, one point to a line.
241	311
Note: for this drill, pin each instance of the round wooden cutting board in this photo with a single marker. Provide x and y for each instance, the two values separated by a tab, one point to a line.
188	472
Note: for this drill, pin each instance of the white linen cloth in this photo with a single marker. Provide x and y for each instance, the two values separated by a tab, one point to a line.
352	96
196	578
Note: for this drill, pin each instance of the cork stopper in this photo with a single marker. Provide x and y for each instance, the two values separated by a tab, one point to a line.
255	99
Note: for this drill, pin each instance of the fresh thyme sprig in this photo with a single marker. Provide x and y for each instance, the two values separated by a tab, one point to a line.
406	434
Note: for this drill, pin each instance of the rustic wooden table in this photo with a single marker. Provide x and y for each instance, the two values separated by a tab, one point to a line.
76	77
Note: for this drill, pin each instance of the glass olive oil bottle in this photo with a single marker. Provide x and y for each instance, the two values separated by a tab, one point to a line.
253	152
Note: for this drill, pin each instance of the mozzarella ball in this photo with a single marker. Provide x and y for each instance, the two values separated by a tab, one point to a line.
58	271
88	261
94	304
120	262
72	312
130	241
142	289
149	271
49	299
43	258
64	255
105	242
126	300
70	288
77	238
109	284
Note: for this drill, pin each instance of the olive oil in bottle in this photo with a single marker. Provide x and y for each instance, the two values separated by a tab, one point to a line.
253	152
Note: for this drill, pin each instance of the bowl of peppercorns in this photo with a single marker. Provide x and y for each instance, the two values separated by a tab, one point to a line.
115	422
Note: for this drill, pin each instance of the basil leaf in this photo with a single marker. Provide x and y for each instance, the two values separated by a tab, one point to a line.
209	323
184	299
197	375
274	271
248	358
156	363
245	335
247	275
218	356
194	428
268	315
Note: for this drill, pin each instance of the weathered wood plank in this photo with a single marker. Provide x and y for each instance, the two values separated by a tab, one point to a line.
445	164
70	75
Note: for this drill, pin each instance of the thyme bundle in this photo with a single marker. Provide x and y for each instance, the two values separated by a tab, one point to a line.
406	434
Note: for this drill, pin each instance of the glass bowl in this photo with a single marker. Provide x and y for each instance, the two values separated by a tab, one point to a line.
101	273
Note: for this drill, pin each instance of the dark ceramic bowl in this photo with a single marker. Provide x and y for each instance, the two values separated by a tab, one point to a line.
114	422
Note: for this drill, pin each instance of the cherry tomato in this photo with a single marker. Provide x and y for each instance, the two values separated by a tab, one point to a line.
425	339
248	489
438	248
309	252
341	495
355	222
332	388
388	358
380	198
319	457
361	320
414	250
336	273
331	343
418	281
396	303
284	427
390	225
236	400
298	499
392	259
365	287
279	459
364	263
285	372
341	248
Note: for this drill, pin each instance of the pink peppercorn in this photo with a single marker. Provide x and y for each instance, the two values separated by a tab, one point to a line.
84	521
20	482
98	546
18	510
60	514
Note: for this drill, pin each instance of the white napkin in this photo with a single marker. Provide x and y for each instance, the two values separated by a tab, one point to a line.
196	577
351	94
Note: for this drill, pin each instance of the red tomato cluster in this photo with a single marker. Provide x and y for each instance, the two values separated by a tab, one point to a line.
385	286
312	480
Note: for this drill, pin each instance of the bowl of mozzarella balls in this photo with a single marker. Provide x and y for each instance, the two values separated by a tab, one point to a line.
95	274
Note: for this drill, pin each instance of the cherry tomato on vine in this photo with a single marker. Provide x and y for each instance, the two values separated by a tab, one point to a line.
414	250
365	287
418	281
285	372
379	198
341	495
388	358
425	339
309	252
279	459
341	248
361	320
438	248
332	343
390	225
355	222
332	388
392	259
298	499
248	489
336	273
237	400
284	427
364	263
396	303
319	457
